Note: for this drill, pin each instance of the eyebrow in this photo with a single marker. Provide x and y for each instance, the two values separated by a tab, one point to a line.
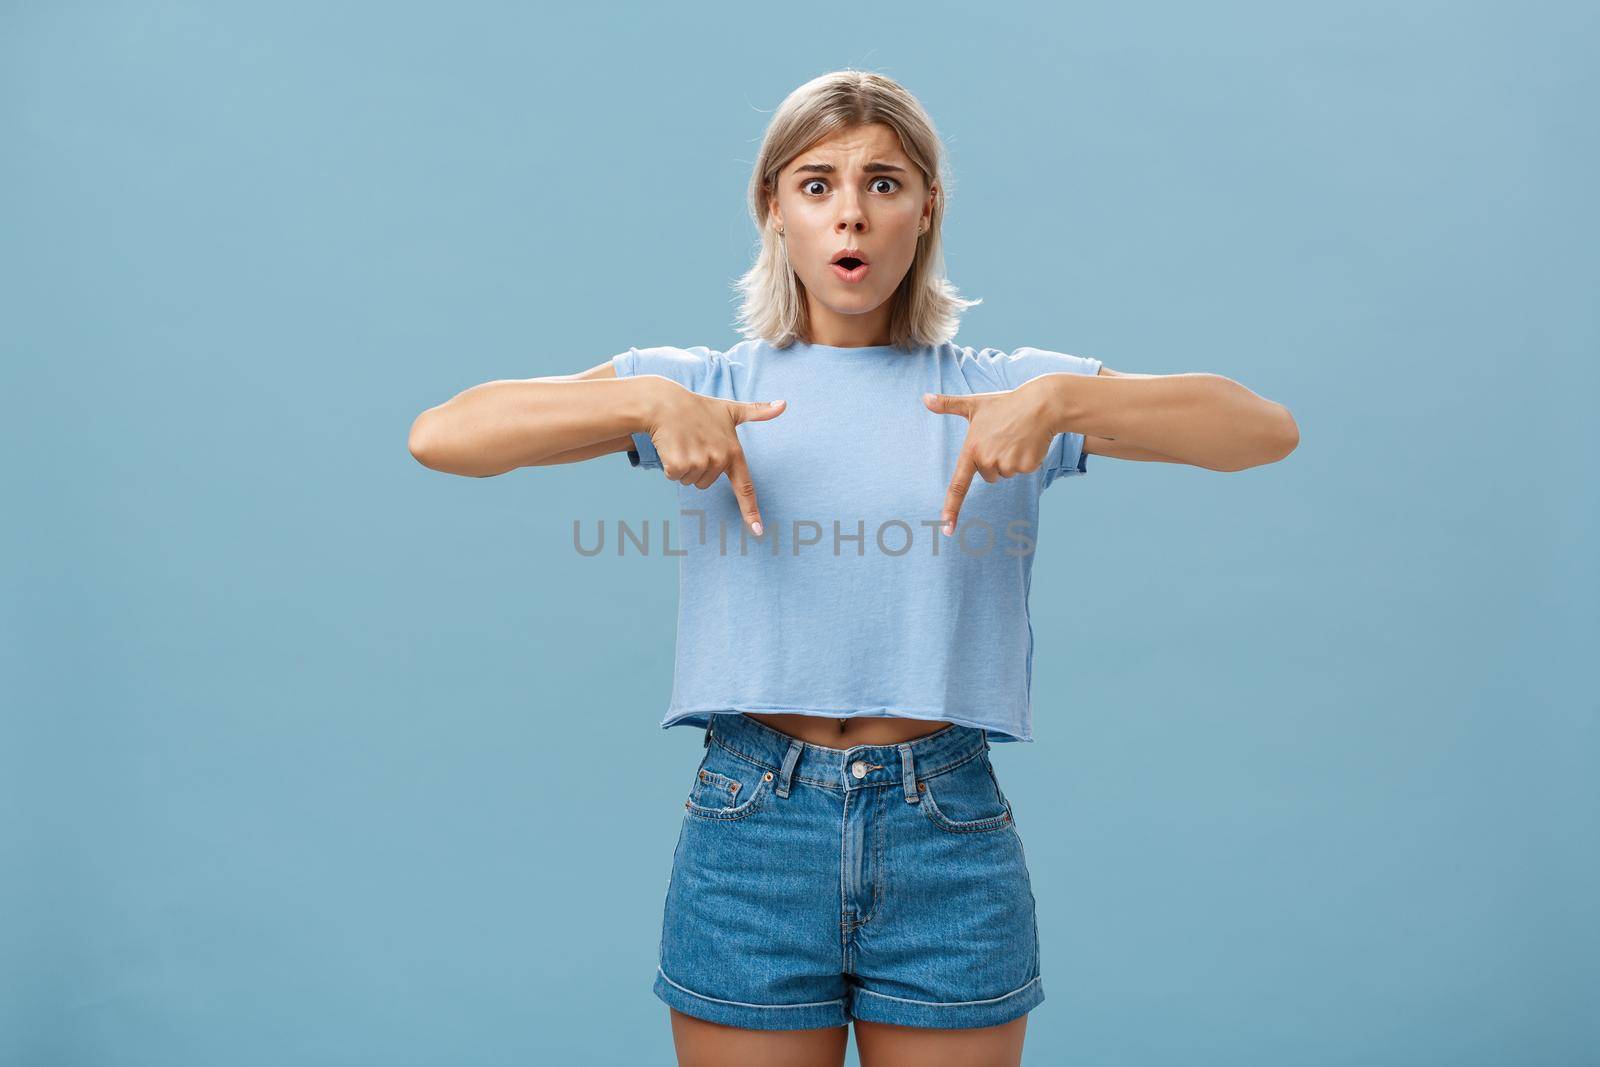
829	168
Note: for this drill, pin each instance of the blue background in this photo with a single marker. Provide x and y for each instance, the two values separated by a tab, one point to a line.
312	755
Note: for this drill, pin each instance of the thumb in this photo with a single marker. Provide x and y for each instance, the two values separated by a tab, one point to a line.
756	411
945	404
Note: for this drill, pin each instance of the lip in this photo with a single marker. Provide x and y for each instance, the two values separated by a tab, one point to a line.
850	276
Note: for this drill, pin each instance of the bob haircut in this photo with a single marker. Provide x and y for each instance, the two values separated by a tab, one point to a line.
926	309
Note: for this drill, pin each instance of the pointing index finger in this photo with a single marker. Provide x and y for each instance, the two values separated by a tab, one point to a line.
959	484
744	491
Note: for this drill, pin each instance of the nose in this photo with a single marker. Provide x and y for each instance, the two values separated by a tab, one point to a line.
851	217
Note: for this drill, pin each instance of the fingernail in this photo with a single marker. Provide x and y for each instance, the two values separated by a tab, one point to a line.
773	403
756	526
948	527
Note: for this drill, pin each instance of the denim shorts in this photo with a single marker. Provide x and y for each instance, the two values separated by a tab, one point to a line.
812	885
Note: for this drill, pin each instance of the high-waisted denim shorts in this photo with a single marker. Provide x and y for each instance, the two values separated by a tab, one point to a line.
811	885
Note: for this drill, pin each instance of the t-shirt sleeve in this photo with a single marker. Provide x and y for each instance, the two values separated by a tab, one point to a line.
1066	456
697	369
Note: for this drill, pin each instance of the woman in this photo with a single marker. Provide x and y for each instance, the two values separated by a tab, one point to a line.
846	849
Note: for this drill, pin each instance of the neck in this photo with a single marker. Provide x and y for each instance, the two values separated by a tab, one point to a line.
824	327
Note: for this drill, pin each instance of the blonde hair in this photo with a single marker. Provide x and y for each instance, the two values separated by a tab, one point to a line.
925	309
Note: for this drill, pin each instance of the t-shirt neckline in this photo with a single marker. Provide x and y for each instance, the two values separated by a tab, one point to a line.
803	348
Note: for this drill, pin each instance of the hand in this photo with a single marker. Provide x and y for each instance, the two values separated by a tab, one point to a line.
694	436
1006	435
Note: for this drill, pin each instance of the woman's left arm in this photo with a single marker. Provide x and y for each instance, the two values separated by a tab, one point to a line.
1198	418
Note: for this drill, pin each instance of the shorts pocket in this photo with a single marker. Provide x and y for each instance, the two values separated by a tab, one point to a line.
713	790
727	786
965	799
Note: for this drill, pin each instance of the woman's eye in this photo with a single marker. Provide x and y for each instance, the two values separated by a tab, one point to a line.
806	187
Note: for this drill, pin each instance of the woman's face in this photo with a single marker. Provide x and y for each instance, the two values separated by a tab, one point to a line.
856	189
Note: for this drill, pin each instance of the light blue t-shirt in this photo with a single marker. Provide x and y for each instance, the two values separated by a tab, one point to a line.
853	602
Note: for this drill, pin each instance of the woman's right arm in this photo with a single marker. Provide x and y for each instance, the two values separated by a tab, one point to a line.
499	426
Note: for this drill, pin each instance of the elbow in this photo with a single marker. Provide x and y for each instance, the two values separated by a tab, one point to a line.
420	441
1276	444
1288	435
1284	439
427	449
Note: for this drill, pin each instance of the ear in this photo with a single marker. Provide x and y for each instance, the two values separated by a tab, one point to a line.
774	216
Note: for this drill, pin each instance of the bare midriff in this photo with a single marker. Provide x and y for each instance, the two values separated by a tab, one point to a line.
846	733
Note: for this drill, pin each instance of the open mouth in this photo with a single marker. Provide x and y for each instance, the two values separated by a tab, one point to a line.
849	268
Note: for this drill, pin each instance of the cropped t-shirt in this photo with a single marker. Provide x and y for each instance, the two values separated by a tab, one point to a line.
853	602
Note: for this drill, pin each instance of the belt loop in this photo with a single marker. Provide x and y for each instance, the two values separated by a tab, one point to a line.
790	758
908	774
705	741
